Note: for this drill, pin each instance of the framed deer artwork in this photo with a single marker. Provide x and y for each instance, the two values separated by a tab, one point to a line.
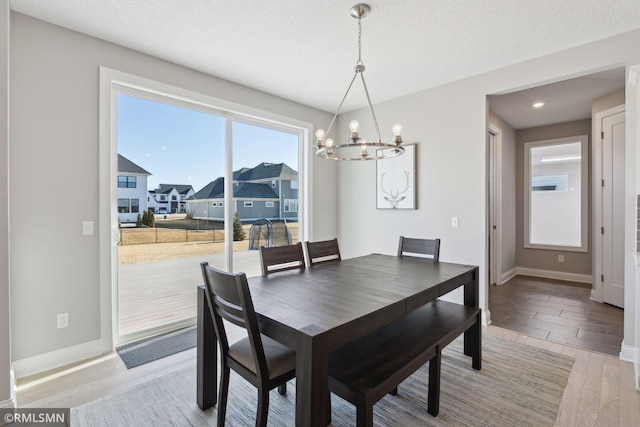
396	181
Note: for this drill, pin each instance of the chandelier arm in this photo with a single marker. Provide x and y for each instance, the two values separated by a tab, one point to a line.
341	102
373	114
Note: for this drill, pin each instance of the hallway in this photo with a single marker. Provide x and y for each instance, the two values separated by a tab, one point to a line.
557	311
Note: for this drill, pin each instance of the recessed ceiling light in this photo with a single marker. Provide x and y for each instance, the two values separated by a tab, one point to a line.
538	104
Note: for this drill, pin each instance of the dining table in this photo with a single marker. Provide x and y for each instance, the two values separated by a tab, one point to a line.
318	309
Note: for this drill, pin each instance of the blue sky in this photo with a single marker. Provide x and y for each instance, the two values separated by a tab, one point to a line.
181	146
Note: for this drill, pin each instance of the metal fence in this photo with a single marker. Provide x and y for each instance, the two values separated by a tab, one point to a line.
136	236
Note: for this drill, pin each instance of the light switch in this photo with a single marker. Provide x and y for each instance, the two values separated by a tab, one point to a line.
454	222
87	228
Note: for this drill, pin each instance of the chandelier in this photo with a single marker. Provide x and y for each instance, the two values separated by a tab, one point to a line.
357	148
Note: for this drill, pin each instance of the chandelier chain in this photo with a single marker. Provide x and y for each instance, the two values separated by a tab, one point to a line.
359	40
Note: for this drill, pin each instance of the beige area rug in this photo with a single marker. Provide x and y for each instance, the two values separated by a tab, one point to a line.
518	385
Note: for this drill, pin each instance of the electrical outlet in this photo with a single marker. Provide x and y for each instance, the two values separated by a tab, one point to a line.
454	222
63	320
560	258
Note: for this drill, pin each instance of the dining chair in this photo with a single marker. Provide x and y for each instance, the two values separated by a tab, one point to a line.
430	247
263	362
324	251
281	258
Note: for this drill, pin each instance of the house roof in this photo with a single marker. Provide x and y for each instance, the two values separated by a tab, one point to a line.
265	171
180	188
244	190
127	166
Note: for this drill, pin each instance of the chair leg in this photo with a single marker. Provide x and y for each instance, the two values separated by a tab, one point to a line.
222	398
282	388
263	407
433	400
328	408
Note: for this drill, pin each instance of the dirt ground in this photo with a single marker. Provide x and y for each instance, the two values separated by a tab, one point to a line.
133	254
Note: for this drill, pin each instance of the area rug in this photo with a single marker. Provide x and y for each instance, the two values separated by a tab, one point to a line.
518	385
154	348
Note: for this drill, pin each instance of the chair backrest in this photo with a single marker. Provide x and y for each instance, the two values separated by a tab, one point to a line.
324	251
281	258
409	245
229	298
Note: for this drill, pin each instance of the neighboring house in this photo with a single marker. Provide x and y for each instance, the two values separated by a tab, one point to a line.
169	198
132	190
268	190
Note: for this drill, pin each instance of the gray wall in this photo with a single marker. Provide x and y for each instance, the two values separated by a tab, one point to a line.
508	211
54	141
5	347
574	262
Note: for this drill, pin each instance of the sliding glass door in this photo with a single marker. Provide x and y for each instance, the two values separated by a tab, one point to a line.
192	183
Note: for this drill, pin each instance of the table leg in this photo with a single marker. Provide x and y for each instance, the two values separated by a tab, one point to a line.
312	384
472	339
207	355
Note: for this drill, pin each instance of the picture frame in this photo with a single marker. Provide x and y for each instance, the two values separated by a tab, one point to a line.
396	181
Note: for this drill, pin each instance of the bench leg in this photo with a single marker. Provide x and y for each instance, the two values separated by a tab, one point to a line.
433	401
473	343
394	391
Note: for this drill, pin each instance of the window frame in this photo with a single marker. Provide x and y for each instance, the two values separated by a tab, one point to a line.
584	193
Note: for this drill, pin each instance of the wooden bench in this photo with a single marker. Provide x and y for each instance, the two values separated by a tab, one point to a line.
365	370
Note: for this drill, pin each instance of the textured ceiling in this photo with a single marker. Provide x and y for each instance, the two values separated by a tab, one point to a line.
305	50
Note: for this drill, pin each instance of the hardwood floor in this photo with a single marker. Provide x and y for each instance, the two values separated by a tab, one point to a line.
557	311
600	389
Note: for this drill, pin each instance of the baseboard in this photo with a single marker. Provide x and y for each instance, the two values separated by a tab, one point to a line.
486	317
9	403
508	275
557	275
631	354
57	358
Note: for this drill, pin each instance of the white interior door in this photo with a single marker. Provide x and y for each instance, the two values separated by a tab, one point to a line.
612	232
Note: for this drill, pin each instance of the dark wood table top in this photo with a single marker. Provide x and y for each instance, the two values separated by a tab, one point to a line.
325	298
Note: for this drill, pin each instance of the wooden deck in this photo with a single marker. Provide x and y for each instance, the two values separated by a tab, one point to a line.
160	293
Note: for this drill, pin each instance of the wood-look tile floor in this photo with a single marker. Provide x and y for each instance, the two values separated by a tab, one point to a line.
557	311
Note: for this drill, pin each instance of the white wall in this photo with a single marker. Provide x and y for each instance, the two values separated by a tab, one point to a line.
449	125
5	343
54	113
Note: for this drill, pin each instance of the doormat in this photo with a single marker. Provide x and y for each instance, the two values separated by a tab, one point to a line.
154	348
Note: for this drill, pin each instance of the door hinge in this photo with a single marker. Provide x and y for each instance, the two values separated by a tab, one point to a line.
602	135
603	182
602	277
601	230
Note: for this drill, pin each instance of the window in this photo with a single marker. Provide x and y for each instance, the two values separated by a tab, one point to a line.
126	182
163	197
294	184
248	204
556	194
174	198
268	204
214	204
291	205
128	205
273	183
123	205
220	204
